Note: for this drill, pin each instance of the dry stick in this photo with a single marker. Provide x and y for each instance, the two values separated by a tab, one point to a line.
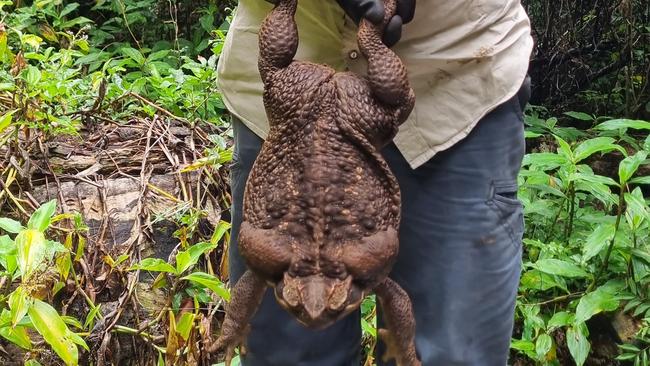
133	276
157	107
164	111
558	298
126	22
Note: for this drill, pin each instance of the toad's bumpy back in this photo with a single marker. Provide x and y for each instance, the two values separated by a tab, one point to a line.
321	207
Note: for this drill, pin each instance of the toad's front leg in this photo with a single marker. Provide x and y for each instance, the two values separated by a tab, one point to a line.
246	297
399	336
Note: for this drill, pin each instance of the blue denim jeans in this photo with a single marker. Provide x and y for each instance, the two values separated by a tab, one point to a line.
459	258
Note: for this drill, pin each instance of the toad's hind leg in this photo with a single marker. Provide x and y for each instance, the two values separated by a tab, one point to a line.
246	297
278	39
386	72
399	336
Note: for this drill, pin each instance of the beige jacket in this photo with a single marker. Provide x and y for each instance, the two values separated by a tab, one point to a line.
464	58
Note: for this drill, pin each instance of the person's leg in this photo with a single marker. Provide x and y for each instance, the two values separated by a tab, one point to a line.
460	243
276	338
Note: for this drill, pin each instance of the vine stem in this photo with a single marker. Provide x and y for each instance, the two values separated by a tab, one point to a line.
603	267
571	209
555	220
558	299
126	22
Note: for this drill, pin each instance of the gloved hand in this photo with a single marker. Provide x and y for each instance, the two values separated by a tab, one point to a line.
373	10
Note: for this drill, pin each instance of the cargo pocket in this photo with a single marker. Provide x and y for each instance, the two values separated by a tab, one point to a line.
503	200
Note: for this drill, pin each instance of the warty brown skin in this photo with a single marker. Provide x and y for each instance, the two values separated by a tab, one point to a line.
321	207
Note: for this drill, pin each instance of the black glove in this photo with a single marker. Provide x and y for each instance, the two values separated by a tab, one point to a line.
373	10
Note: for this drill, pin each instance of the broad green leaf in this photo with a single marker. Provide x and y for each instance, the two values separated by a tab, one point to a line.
32	75
50	325
642	255
90	318
134	54
190	257
220	231
564	148
546	161
41	218
75	21
183	261
31	248
600	191
617	124
5	120
629	165
69	8
560	268
578	343
368	328
184	325
121	259
580	116
78	340
641	180
629	347
594	178
32	40
8	254
154	265
19	303
6	86
559	320
546	189
83	45
207	23
637	209
17	335
210	282
10	226
157	55
532	135
595	302
63	265
72	321
591	146
543	345
597	241
522	345
32	362
537	280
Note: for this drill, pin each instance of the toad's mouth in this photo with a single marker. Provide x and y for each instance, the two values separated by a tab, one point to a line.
318	301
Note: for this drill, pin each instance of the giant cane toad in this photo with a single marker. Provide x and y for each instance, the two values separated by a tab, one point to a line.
322	208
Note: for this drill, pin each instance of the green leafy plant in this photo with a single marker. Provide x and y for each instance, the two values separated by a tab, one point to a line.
26	259
186	286
581	258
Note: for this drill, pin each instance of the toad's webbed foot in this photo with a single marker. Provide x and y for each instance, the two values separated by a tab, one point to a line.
228	343
399	336
246	297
